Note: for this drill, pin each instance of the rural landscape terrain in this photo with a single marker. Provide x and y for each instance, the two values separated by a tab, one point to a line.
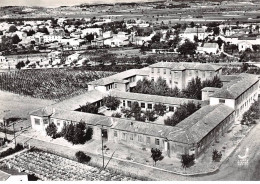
130	91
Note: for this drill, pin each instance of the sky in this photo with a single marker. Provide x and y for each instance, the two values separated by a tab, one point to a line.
56	3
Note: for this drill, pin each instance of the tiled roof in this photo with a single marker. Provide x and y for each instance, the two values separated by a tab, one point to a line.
199	124
151	129
80	100
120	76
152	98
43	112
227	78
236	87
210	45
210	89
187	66
194	30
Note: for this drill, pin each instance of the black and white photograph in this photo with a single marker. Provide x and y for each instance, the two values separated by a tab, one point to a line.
129	90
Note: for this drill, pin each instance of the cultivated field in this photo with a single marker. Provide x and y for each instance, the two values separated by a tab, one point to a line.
53	84
49	167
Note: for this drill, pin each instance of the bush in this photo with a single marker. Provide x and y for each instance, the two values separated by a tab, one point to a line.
216	155
82	157
187	160
10	151
117	115
51	130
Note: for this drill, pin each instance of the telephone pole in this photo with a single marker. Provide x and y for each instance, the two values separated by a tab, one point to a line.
102	147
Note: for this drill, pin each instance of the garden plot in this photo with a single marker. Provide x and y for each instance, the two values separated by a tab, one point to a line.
50	167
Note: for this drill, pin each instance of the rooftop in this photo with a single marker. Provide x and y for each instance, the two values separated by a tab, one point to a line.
194	30
210	89
186	66
236	87
210	45
120	76
152	98
200	123
80	100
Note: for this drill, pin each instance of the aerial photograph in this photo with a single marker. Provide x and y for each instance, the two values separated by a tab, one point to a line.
129	90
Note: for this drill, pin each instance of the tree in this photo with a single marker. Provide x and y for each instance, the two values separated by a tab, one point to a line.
135	108
150	115
156	37
89	37
156	155
193	90
216	30
68	132
159	109
182	112
89	133
220	42
82	157
117	115
187	48
79	133
111	102
150	60
89	108
187	160
51	130
192	24
15	39
244	67
12	28
216	155
20	65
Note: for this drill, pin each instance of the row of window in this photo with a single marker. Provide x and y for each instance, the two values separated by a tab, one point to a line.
139	138
149	106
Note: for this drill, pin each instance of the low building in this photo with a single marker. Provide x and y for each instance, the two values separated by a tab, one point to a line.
147	102
209	48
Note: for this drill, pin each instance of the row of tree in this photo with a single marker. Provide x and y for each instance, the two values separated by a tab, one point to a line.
77	133
182	112
160	87
250	116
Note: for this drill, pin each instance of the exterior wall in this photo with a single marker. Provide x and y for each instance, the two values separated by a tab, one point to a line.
124	104
41	126
101	88
228	102
215	134
138	142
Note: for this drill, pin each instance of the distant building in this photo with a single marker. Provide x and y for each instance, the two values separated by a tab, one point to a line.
190	33
209	48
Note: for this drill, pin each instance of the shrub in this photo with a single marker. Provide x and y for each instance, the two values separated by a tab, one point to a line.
156	155
117	115
111	102
51	130
82	157
10	151
187	160
216	155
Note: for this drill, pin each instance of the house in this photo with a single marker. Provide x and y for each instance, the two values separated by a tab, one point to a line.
209	48
73	57
243	45
87	31
190	33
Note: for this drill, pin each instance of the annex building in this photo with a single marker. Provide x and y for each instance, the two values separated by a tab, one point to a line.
220	107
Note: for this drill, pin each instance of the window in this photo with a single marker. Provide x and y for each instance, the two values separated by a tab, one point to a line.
152	79
131	137
115	133
164	107
124	103
158	70
142	105
150	106
175	82
170	81
148	140
115	85
171	108
45	121
176	75
221	100
157	142
124	136
140	138
58	123
197	72
164	70
152	70
37	121
203	74
129	103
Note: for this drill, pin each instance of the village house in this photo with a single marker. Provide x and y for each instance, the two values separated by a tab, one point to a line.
210	48
190	33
